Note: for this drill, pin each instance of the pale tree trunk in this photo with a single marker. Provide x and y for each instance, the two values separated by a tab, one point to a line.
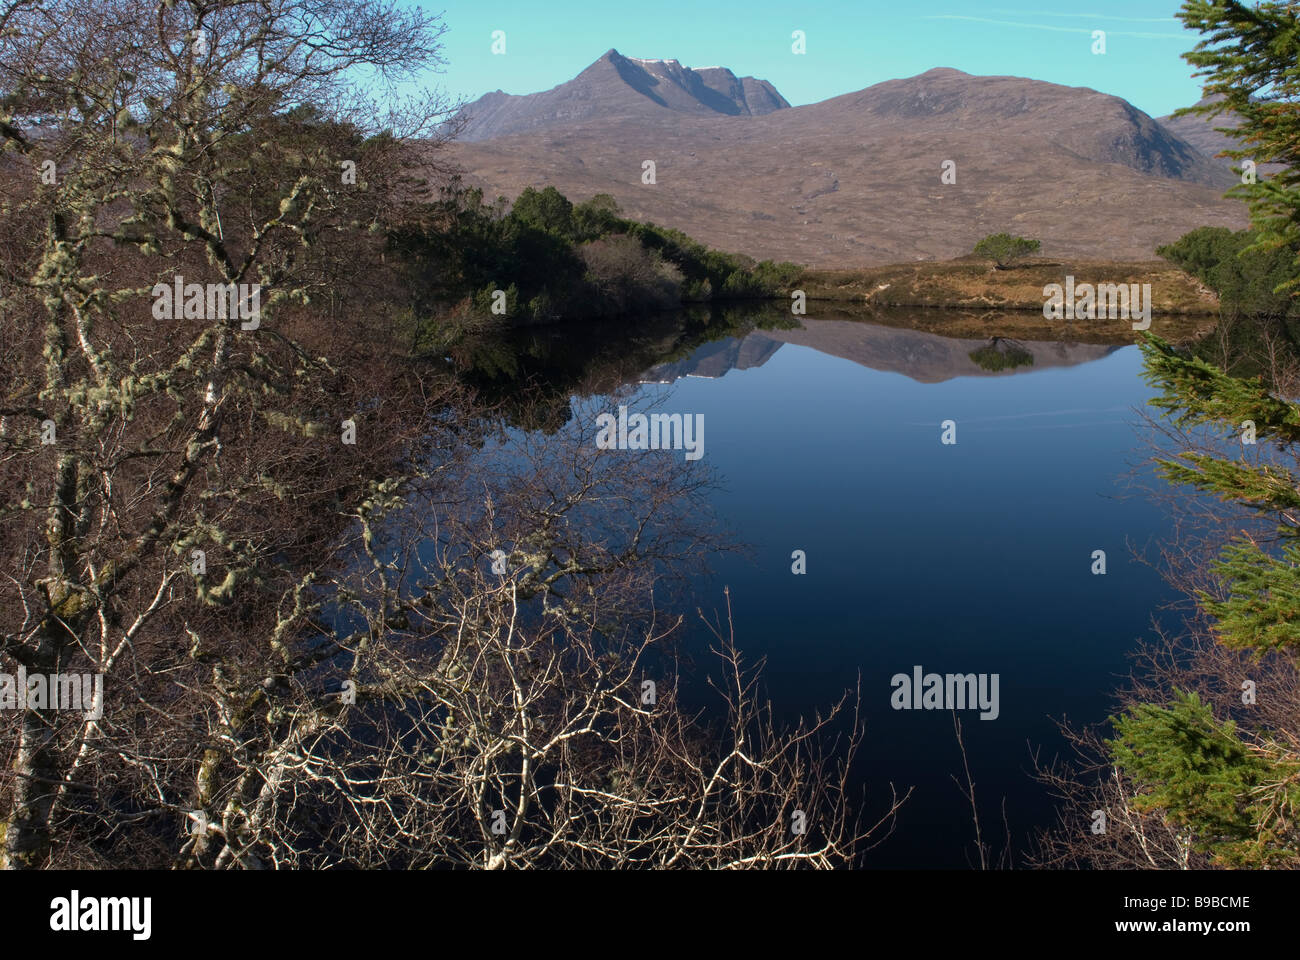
37	773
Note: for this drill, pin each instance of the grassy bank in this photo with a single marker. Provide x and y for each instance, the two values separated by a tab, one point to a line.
972	299
971	283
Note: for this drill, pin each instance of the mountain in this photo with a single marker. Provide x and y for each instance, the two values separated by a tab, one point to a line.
856	180
1093	126
1200	131
619	86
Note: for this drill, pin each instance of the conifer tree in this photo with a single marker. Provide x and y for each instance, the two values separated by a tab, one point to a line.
1235	792
1248	59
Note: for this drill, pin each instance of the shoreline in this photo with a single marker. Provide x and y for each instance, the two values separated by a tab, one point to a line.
964	292
970	283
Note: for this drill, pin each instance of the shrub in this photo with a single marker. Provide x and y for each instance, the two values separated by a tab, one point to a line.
1004	249
484	299
1245	279
625	275
773	277
547	210
596	217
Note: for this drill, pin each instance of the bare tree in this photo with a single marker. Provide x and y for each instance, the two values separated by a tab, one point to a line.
515	694
146	142
277	538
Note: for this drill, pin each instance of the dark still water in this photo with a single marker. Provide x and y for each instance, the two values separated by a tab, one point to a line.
971	557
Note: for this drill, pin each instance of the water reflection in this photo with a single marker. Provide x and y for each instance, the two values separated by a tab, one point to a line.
924	357
971	558
531	373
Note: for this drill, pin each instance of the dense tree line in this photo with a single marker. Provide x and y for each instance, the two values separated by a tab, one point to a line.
550	258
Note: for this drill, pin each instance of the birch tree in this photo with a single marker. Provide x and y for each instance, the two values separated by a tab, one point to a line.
278	538
144	143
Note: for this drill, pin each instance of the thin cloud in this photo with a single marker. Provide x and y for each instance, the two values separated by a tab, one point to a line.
1043	26
1087	16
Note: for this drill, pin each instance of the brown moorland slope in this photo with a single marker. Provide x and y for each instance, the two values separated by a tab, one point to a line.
856	180
1206	135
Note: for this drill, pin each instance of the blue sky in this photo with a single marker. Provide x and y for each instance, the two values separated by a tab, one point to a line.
850	45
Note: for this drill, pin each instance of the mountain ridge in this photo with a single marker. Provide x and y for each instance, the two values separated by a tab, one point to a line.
615	85
858	179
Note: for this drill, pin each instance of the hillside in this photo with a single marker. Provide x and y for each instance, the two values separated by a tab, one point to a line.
1205	134
855	180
